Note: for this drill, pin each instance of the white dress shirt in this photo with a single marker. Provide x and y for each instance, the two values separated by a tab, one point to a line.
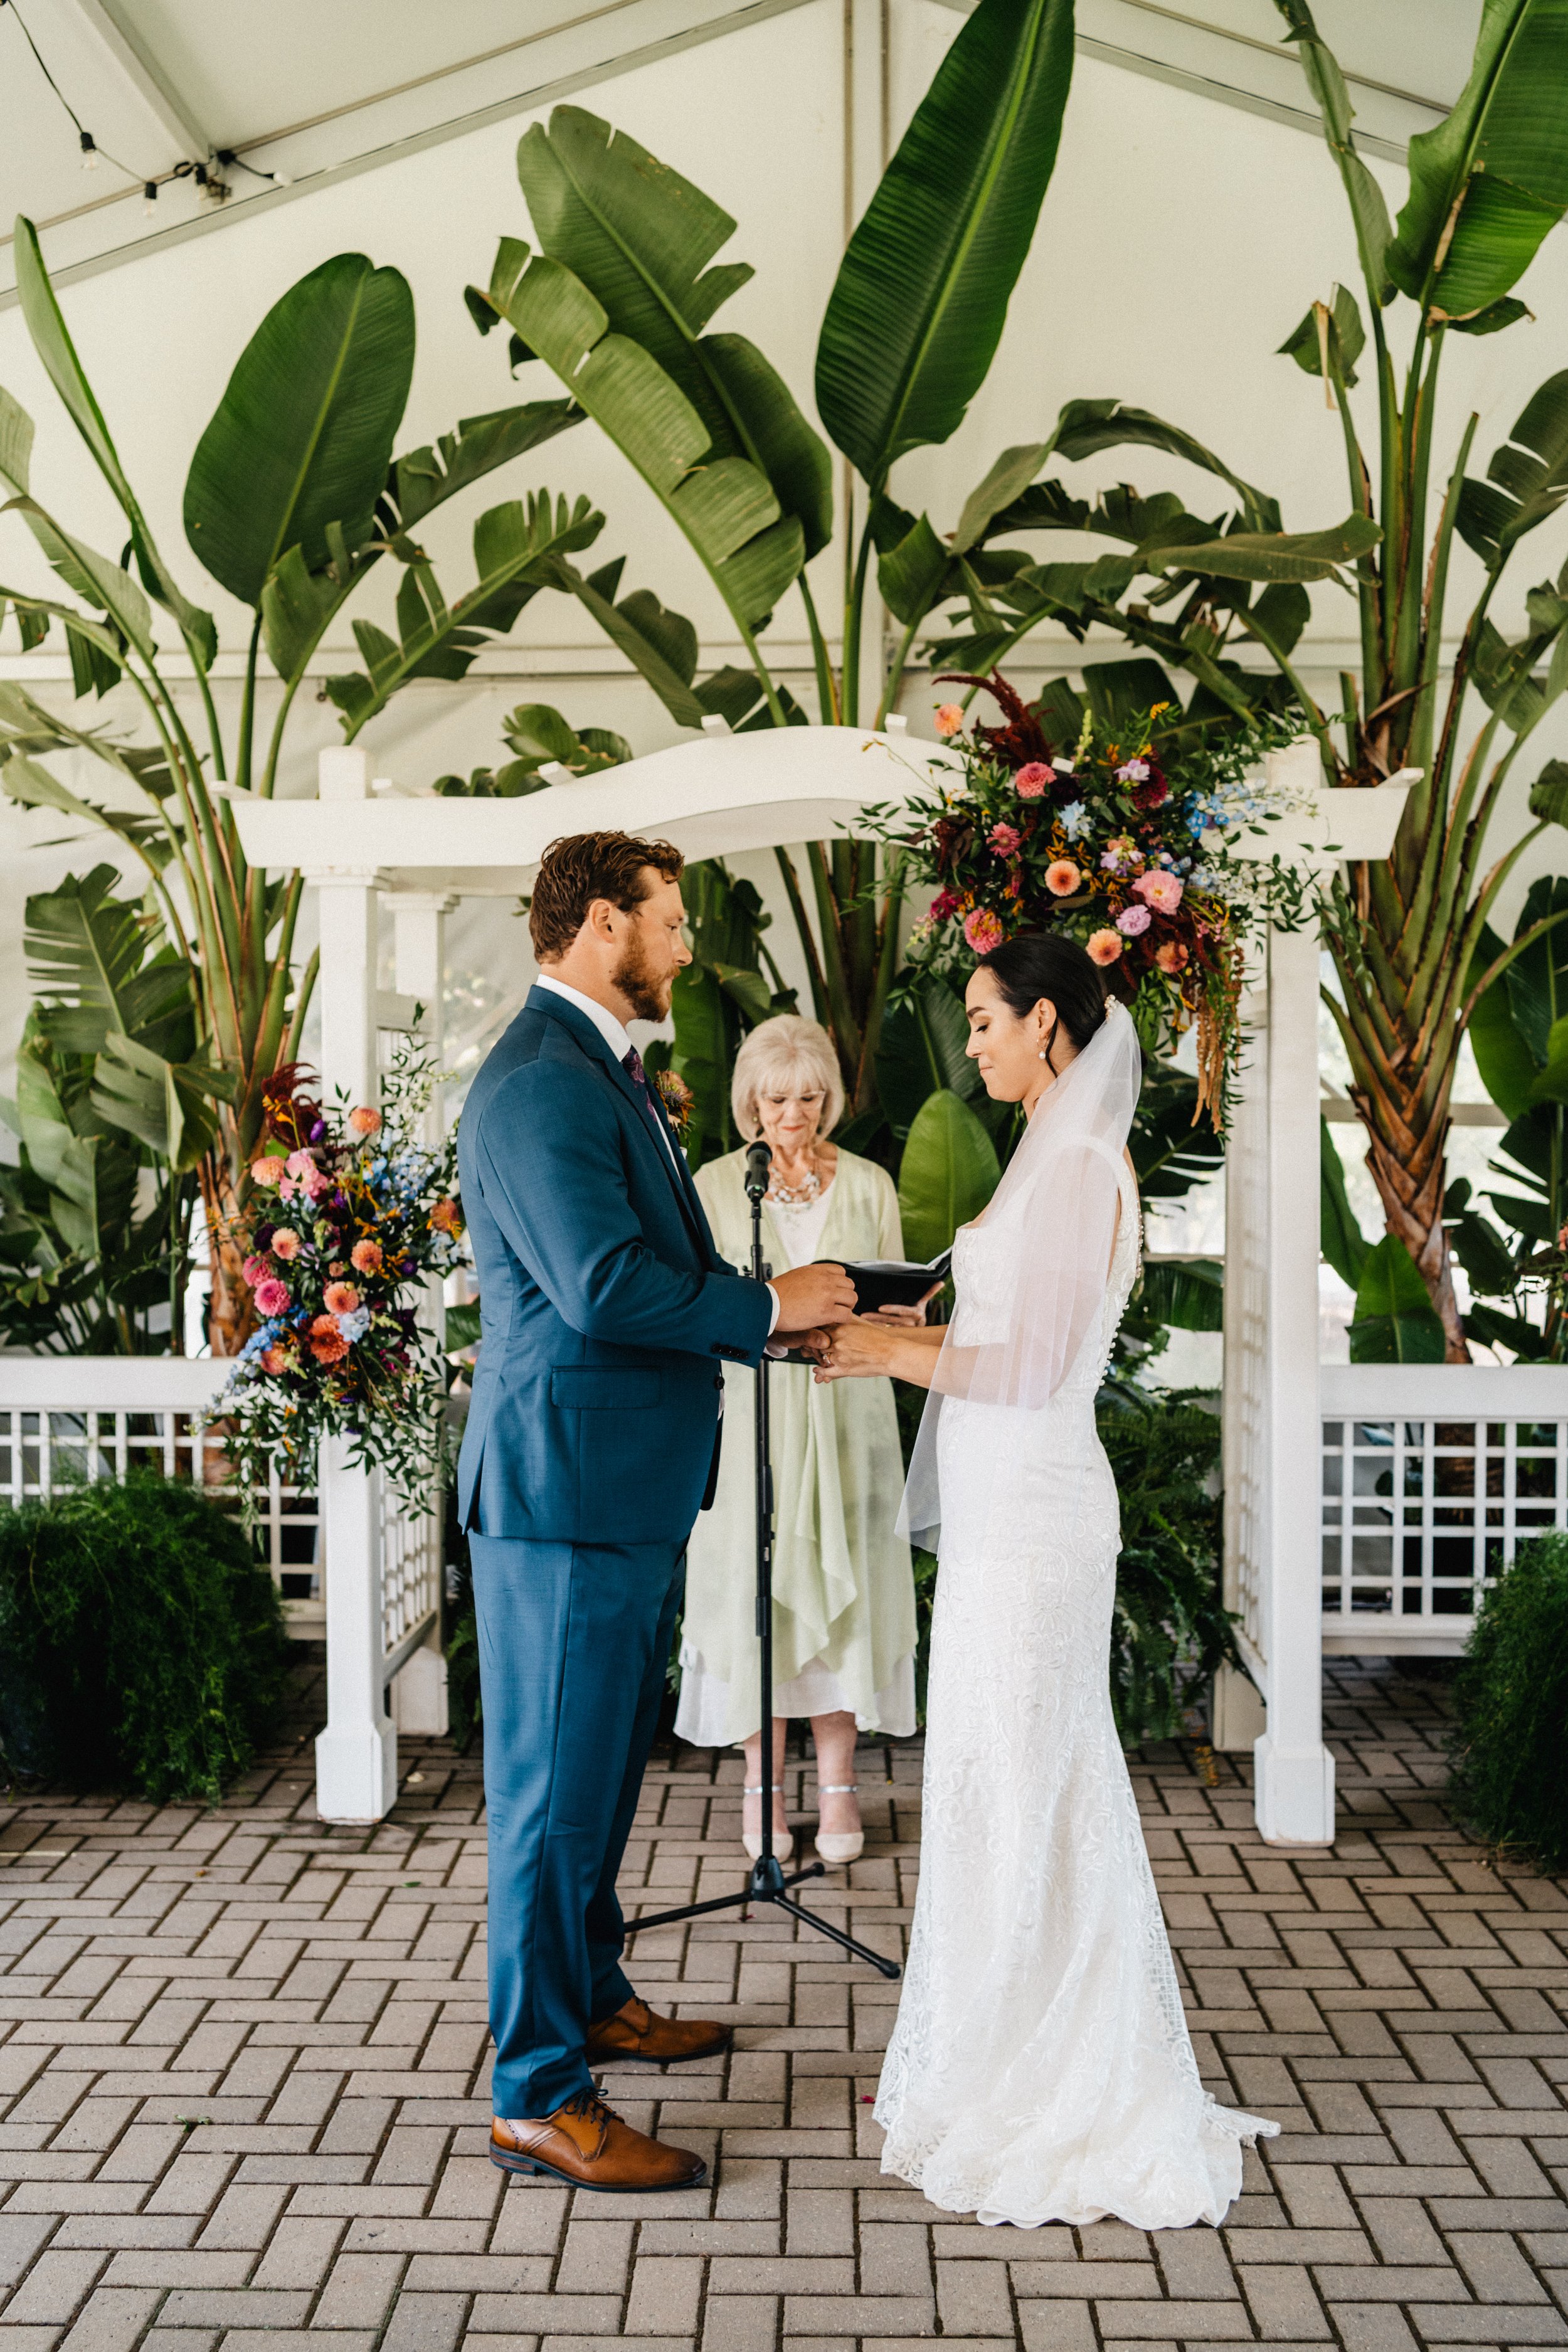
620	1045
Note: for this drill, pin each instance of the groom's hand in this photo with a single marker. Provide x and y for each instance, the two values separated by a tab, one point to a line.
811	1296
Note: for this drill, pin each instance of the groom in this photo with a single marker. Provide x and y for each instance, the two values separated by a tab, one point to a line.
592	1443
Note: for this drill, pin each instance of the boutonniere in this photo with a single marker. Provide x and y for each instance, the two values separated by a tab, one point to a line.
677	1098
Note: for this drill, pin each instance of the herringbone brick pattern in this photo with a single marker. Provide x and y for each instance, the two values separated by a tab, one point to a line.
244	2058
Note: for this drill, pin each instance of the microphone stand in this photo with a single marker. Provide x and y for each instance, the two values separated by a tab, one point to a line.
767	1883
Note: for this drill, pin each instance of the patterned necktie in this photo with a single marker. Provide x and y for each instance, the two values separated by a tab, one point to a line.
633	1066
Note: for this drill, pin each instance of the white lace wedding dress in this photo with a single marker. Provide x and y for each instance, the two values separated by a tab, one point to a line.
1041	2068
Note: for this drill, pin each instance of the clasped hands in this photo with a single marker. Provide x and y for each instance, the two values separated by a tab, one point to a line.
841	1344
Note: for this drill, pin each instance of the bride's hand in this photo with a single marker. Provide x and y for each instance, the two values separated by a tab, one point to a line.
861	1349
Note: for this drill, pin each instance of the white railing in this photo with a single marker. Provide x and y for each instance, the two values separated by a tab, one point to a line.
68	1420
1432	1476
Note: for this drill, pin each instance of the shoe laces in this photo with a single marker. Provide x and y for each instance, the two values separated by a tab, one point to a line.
590	2106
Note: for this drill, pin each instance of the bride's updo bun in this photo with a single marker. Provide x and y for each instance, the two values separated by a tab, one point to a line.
1049	964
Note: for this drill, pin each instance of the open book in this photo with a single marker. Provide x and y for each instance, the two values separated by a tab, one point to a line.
894	1281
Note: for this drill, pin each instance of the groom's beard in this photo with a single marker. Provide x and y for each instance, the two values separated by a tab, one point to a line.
647	995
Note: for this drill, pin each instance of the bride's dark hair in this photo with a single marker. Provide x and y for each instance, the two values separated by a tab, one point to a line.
1046	964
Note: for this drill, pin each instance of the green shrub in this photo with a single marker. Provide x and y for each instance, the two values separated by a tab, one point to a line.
140	1645
1171	1628
1509	1747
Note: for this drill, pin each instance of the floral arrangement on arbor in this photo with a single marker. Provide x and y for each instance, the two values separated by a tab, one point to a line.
1128	844
351	1212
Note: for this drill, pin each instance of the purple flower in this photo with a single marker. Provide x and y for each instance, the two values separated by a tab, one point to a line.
1133	920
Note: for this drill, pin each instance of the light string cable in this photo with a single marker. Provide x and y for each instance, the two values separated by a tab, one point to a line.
209	182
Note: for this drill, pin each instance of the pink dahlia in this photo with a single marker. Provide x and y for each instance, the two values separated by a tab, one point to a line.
285	1243
983	931
1031	779
272	1295
1160	890
366	1257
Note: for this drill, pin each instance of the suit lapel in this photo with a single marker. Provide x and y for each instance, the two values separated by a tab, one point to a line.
677	1173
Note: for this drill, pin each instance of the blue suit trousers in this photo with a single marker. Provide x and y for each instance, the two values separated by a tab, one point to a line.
573	1642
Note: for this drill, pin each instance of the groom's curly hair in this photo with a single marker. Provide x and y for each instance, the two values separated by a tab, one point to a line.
583	866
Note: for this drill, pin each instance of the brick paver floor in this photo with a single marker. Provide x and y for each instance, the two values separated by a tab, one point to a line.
244	2065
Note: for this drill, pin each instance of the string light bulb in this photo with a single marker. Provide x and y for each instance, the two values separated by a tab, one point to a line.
88	151
150	196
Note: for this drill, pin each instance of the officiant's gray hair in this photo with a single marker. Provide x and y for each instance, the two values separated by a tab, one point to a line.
785	1056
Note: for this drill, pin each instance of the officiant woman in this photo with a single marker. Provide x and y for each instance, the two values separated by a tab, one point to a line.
843	1603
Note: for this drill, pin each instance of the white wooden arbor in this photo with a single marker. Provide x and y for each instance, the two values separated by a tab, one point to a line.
713	796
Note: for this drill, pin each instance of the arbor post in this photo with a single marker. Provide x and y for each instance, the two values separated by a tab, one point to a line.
356	1755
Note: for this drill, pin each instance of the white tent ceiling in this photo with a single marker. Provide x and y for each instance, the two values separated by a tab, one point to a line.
312	94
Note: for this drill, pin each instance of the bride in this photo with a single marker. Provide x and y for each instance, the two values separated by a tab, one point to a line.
1041	2068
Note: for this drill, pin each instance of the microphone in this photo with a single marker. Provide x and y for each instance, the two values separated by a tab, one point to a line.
759	1168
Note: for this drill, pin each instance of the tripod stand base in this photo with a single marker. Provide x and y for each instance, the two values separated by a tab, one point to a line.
767	1884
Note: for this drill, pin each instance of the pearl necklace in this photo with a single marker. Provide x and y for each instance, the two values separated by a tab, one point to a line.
795	1196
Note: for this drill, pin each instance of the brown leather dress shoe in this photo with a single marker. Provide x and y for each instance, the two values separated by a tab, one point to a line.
636	2033
586	2145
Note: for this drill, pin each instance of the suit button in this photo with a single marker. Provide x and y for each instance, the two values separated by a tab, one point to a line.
718	1379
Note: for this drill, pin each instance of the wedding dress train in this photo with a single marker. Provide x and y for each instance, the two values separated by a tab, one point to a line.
1041	2068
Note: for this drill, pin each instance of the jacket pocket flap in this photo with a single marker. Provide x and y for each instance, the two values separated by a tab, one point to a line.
605	1388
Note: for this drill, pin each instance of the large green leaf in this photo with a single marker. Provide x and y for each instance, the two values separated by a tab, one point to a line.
641	238
87	954
1396	1321
55	349
1489	180
516	549
1086	426
92	577
16	446
1327	84
1527	480
425	479
923	292
921	1048
1332	329
1297	555
728	510
302	436
1505	1061
1189	1294
948	1173
1342	1242
167	1106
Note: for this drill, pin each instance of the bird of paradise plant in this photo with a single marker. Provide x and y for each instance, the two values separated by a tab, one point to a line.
1486	184
293	498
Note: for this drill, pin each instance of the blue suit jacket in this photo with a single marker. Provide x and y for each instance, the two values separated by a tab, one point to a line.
605	1312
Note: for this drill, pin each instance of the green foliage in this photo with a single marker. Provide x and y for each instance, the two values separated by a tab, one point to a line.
1169	1625
1520	1032
1395	1322
922	291
1342	1242
302	436
947	1175
539	738
1511	1738
141	1644
112	1113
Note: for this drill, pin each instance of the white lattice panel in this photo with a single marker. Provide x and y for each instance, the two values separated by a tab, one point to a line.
1433	1475
65	1423
411	1570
